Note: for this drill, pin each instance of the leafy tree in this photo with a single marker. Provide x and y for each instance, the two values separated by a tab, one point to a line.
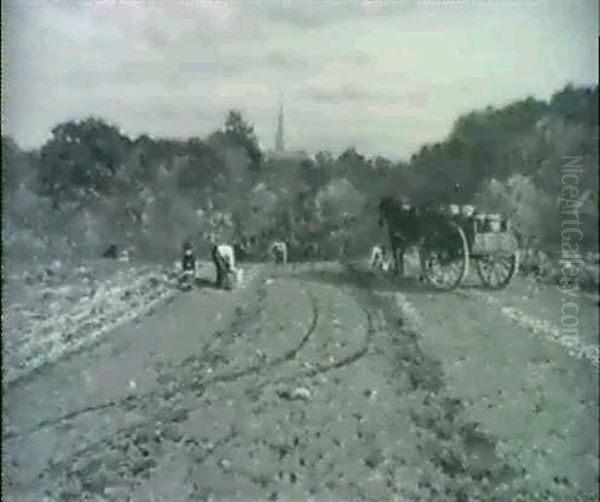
261	212
242	133
198	169
338	201
82	156
577	105
13	171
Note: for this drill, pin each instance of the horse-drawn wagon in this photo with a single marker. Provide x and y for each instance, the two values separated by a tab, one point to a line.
448	239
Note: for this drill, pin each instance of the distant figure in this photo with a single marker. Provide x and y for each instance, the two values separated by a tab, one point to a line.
542	265
378	258
279	252
110	252
223	257
311	251
386	265
188	267
344	248
188	262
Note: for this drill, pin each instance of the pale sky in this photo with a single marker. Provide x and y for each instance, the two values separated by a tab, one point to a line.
384	77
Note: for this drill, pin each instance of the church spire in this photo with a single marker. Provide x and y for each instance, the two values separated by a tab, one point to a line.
279	138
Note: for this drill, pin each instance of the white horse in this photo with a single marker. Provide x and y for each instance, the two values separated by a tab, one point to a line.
279	251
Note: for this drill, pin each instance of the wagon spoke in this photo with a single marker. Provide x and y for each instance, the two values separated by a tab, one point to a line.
449	273
496	271
445	259
456	265
501	267
455	270
505	264
445	275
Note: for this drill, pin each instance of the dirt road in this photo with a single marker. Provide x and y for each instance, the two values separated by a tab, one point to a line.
314	383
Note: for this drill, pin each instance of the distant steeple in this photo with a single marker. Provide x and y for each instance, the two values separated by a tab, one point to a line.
279	138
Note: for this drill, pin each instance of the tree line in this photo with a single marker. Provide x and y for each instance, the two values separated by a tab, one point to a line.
91	184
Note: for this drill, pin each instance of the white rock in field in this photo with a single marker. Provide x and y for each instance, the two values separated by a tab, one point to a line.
116	492
301	393
132	384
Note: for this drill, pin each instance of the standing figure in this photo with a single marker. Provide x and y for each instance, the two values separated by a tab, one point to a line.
279	252
344	248
223	257
311	251
377	257
380	259
188	267
110	252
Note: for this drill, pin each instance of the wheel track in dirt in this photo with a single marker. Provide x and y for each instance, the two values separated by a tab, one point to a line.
351	358
131	400
137	402
226	377
208	452
326	368
426	374
320	370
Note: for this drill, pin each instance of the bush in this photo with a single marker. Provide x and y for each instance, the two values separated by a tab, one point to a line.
518	199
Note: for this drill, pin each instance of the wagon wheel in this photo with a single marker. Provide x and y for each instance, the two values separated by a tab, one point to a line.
496	271
445	259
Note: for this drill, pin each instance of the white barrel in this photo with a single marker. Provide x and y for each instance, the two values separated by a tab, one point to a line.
468	210
495	222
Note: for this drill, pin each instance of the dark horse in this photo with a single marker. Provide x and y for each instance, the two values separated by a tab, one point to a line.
410	225
401	222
